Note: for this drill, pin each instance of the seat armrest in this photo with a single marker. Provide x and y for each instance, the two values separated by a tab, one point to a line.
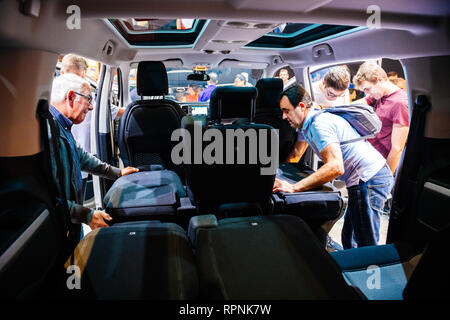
186	207
278	203
198	222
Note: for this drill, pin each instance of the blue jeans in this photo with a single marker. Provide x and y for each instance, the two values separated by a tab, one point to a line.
365	205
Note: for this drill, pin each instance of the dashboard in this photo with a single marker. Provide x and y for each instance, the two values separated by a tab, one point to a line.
195	108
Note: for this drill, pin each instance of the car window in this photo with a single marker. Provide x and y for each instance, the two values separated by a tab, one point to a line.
392	67
116	91
287	75
349	95
92	72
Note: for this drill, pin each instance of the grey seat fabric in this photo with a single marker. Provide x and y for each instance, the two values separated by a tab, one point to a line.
384	272
376	270
146	127
137	261
146	195
231	177
265	257
145	141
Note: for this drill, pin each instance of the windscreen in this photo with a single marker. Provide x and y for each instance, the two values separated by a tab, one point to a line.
183	90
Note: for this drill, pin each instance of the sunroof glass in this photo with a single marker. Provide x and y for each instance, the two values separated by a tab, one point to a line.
294	35
159	32
141	25
291	29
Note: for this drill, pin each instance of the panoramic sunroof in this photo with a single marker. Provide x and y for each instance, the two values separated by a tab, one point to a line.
140	25
159	32
294	35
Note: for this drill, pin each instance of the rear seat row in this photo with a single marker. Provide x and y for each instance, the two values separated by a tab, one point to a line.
206	231
174	192
223	235
233	239
262	258
270	257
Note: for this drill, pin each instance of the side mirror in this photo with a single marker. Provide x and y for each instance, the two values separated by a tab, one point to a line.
198	77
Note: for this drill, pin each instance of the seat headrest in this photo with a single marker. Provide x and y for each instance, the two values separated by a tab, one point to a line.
232	102
152	79
269	90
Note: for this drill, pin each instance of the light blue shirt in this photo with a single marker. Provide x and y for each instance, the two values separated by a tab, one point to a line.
361	160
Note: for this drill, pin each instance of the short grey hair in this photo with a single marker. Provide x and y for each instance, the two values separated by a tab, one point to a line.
64	83
73	64
213	77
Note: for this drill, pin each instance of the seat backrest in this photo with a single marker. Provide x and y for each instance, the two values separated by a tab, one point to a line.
268	112
146	127
136	261
230	169
419	204
430	279
264	258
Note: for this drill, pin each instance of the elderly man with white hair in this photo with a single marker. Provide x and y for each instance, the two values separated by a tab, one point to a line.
71	100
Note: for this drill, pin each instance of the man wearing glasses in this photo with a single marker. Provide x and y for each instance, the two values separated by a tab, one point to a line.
71	100
81	132
333	89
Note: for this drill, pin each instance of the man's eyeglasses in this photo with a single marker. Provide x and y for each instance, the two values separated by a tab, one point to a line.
89	97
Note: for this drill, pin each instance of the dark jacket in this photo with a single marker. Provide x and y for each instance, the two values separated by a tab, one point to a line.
71	170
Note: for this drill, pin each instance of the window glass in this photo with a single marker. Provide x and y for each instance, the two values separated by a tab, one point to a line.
290	28
182	90
287	75
91	75
395	72
329	97
115	90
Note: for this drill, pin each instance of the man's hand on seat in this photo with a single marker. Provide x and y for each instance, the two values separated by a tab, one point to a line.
128	170
98	220
282	186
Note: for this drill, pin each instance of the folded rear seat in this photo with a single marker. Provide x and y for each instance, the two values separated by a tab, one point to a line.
316	206
149	195
134	261
263	257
